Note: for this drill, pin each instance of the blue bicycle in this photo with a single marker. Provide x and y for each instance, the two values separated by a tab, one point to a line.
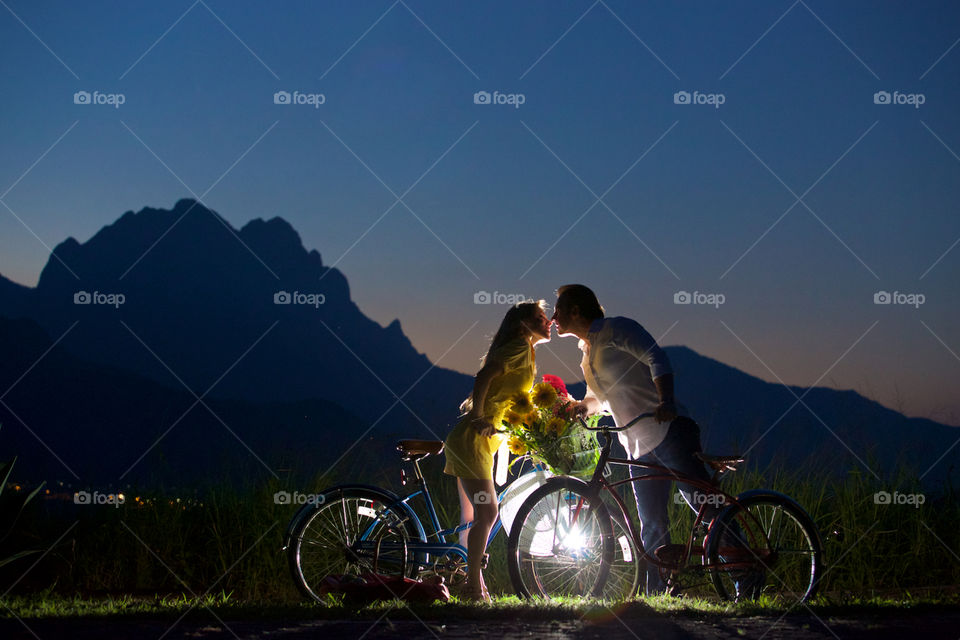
357	528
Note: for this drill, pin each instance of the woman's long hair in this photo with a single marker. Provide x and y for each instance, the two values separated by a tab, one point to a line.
515	324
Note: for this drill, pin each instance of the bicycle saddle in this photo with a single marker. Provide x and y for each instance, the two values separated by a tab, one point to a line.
720	463
420	447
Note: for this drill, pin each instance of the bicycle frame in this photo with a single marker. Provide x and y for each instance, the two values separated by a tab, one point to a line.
598	482
430	544
440	547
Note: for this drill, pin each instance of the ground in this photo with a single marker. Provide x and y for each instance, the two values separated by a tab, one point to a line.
800	627
123	618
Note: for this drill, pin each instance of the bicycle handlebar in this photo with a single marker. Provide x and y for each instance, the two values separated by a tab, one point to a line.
626	426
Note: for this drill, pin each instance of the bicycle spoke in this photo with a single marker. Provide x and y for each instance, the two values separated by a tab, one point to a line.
559	544
780	552
342	537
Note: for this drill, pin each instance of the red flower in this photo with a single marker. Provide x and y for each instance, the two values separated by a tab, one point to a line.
557	384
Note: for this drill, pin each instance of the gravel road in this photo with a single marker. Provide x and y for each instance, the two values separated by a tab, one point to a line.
793	627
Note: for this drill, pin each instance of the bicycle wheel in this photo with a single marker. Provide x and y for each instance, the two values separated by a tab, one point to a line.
624	577
561	542
349	530
771	547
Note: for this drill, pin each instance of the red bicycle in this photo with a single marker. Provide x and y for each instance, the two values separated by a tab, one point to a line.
564	542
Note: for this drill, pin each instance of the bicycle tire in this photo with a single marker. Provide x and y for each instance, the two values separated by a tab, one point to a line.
781	546
561	542
323	542
623	580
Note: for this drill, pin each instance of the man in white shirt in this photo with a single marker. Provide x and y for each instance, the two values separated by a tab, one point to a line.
629	374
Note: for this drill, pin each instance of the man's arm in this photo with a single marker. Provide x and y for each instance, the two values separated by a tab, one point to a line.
636	341
640	344
589	405
666	410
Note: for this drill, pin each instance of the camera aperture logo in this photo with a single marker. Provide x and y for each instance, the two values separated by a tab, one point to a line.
910	299
912	99
483	497
312	299
112	299
698	297
96	97
88	498
485	97
485	297
299	98
686	97
285	497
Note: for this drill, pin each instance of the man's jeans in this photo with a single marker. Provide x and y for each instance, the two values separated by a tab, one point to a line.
675	452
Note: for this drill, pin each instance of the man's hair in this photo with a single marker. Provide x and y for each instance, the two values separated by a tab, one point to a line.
577	295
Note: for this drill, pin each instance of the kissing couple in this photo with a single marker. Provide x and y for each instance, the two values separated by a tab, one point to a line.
626	373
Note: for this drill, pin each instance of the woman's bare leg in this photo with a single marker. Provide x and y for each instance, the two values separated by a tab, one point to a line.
483	498
466	512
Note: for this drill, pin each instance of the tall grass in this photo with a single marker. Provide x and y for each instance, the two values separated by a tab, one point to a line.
228	538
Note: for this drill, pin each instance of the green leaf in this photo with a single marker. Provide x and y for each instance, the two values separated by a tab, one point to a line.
18	555
5	469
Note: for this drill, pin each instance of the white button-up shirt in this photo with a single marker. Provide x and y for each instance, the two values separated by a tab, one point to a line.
620	361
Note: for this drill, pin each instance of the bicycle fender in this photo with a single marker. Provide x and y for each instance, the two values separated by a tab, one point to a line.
746	495
388	496
567	481
755	493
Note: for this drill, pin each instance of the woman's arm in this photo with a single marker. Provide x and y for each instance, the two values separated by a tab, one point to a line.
481	384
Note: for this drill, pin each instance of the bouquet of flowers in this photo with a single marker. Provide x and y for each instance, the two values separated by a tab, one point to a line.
542	425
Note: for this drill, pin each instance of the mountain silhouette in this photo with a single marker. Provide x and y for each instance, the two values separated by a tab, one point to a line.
830	430
293	385
199	307
84	423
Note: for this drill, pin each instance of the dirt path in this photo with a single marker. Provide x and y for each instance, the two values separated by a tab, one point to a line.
939	625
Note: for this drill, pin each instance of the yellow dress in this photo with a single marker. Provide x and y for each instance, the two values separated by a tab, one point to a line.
470	455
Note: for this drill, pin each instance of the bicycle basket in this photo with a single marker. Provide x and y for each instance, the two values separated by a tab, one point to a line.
574	454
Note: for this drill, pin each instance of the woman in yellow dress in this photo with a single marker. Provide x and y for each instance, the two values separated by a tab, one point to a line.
507	369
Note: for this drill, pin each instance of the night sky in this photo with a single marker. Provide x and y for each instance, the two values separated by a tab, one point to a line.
790	160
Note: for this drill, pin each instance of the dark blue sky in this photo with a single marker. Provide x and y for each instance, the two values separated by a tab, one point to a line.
700	201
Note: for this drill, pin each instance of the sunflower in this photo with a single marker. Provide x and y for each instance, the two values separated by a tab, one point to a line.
512	418
544	395
516	446
557	426
521	402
